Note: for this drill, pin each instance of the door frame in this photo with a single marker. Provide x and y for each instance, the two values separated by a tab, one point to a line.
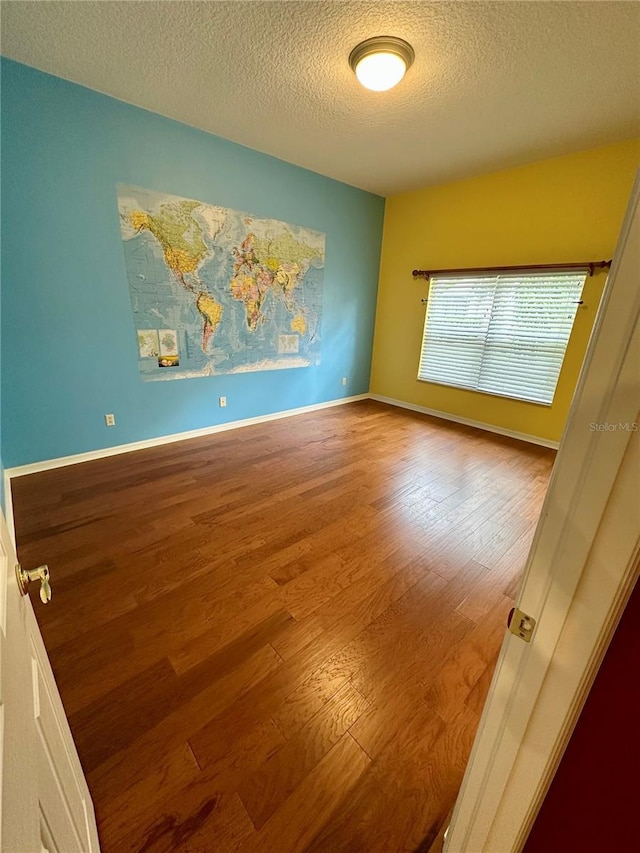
579	575
8	507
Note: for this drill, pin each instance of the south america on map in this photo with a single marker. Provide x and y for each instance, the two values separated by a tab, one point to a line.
214	290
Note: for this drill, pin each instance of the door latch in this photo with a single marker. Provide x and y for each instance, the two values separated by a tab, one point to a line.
25	578
521	624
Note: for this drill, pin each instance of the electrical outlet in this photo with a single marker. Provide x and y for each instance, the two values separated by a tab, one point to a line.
110	420
223	402
344	380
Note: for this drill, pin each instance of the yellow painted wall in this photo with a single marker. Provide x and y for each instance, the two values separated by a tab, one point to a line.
561	210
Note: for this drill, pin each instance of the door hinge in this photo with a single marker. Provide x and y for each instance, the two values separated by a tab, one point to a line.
521	624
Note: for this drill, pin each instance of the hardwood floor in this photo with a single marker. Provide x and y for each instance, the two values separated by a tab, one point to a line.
280	638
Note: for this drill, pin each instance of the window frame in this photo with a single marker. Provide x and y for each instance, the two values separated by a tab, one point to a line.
497	275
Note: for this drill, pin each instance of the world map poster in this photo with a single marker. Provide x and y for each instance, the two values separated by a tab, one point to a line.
214	290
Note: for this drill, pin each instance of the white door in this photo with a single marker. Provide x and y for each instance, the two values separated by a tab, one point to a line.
581	568
46	804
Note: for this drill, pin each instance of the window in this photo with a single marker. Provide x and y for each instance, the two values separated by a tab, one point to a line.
501	334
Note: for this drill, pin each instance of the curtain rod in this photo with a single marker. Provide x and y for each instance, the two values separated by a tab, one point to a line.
591	266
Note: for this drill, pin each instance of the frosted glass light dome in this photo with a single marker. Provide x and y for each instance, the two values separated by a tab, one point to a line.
380	63
380	71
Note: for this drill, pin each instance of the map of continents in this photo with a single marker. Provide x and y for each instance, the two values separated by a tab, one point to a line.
214	290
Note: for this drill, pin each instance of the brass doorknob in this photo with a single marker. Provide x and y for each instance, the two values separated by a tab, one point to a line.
25	578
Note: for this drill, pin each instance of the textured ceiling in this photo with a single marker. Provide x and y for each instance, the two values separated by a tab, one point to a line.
494	84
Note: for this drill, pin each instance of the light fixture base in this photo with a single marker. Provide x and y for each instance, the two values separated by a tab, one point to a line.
382	44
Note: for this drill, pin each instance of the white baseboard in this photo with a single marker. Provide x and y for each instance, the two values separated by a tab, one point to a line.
532	439
61	461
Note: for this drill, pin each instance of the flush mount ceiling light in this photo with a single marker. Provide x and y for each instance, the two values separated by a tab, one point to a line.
380	63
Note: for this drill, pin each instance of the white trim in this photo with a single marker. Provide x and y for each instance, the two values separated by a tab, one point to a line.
61	461
8	507
447	416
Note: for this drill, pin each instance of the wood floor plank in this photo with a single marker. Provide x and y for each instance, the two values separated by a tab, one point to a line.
347	663
483	595
419	636
466	661
388	717
267	789
352	608
312	802
251	629
280	638
229	759
354	826
174	770
199	820
408	780
183	717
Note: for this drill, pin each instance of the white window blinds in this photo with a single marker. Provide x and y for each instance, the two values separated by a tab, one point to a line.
501	334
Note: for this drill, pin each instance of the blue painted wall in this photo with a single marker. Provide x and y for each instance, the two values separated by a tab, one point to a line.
68	347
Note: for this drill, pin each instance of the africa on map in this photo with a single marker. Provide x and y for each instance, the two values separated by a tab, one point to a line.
214	290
